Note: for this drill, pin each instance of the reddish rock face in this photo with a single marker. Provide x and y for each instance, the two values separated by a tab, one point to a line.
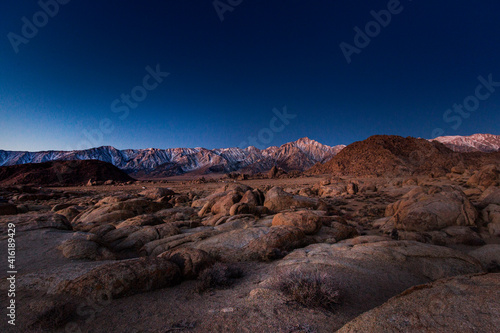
390	155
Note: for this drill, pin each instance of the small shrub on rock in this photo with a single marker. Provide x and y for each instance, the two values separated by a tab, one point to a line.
310	288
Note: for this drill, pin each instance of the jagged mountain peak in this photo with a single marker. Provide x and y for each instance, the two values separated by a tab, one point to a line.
475	142
297	155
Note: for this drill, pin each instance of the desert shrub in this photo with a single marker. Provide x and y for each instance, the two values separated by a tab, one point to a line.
310	288
219	275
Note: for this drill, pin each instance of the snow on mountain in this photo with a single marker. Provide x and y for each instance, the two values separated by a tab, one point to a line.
478	142
298	155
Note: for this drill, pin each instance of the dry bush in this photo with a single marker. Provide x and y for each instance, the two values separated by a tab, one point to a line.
310	288
219	275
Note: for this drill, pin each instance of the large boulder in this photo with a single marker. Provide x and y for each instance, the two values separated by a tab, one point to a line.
157	193
177	214
254	198
275	244
140	220
278	200
191	261
491	216
309	222
488	176
70	212
490	196
488	255
224	204
458	304
252	243
428	208
136	239
332	190
114	212
85	246
334	232
34	221
126	277
368	274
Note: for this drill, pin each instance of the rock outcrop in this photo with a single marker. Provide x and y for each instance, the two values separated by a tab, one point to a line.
457	304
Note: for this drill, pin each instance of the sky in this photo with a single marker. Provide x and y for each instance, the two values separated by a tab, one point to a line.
173	73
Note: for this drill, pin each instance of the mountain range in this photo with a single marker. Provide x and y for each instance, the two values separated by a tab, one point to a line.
298	155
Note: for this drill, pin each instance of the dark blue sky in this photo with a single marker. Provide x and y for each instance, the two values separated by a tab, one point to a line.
226	77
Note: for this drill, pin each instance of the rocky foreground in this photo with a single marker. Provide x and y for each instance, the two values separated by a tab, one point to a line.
285	255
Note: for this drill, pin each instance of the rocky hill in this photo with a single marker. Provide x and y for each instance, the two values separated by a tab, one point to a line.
65	173
390	155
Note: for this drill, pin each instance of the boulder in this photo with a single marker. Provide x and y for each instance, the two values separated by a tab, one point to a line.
428	208
177	214
275	172
110	237
241	208
138	238
468	303
309	222
490	196
335	232
252	243
190	261
224	204
115	212
251	198
334	190
491	215
462	235
488	176
275	244
80	248
122	278
70	212
34	221
157	193
61	206
488	255
352	188
368	274
140	220
278	200
113	199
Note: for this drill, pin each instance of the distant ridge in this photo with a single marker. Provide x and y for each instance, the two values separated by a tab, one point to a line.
62	173
477	142
298	155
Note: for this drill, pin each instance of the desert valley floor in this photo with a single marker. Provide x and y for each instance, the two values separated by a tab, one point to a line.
140	257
